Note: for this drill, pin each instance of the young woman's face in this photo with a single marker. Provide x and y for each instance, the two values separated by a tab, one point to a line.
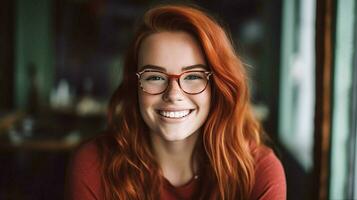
174	115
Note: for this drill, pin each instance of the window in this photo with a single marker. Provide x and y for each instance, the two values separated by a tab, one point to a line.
343	136
297	80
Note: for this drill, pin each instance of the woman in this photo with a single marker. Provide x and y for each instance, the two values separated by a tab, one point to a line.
180	123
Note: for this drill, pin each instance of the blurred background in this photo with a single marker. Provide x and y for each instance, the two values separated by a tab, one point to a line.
60	60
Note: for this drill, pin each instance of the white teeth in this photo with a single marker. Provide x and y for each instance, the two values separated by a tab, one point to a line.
176	114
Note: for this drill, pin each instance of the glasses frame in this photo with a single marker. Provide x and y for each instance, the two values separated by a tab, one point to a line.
176	77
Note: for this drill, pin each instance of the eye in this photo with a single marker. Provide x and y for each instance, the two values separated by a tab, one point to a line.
154	78
193	77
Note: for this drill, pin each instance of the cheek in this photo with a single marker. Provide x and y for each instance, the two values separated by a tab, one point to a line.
146	102
207	98
204	102
143	107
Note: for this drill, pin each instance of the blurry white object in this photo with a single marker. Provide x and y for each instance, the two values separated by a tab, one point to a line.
61	97
73	137
89	106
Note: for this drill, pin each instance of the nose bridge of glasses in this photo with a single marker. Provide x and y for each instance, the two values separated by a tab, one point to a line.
173	79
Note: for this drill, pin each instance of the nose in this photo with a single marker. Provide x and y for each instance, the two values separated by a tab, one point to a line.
173	91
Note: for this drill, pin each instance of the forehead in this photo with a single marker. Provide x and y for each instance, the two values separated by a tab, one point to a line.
171	51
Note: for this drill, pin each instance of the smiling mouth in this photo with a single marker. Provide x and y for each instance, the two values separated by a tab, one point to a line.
174	114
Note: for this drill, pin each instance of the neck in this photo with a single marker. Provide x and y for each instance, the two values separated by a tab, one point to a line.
176	158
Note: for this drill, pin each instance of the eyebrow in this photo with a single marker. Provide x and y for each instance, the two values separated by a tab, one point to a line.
185	68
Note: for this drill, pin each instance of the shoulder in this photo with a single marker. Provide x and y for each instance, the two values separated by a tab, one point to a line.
270	180
86	156
83	174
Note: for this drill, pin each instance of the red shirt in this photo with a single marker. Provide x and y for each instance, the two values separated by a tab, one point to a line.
84	178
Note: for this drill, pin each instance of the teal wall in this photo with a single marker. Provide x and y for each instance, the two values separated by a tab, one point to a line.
344	42
34	43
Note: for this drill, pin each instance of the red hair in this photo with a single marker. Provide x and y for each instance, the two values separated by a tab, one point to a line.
130	170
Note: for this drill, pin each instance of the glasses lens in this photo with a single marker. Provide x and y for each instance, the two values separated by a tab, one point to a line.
153	82
193	82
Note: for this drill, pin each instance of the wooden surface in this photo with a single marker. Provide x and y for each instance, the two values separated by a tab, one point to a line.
324	62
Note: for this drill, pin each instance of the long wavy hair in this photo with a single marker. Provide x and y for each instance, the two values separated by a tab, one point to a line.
129	168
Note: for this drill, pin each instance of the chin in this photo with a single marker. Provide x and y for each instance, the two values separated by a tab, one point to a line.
175	136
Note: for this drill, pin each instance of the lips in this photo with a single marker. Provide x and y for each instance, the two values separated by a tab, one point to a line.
174	114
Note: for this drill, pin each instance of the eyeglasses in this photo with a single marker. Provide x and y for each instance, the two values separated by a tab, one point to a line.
156	82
